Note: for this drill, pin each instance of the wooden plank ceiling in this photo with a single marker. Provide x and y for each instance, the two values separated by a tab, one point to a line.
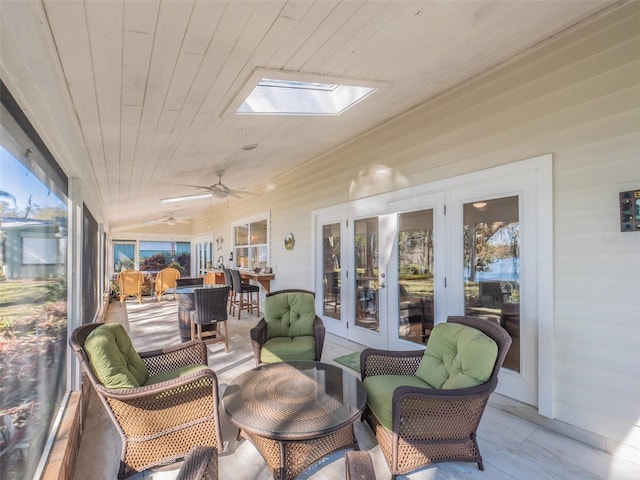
152	80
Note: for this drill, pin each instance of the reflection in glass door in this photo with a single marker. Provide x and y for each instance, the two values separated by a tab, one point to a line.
366	268
492	266
416	269
331	270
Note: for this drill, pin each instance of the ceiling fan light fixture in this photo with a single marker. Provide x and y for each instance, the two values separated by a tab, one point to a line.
198	196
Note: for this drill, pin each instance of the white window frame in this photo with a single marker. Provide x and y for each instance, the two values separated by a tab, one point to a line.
246	222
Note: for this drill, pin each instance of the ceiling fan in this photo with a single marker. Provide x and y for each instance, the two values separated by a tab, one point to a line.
169	220
219	190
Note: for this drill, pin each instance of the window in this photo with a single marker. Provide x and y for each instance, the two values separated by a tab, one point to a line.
39	251
270	92
33	293
154	256
251	243
124	255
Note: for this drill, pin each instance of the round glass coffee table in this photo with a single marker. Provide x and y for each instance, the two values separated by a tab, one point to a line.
295	413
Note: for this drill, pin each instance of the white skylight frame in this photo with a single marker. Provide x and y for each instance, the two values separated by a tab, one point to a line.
278	92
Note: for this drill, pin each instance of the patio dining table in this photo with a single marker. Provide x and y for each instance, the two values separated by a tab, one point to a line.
186	304
295	413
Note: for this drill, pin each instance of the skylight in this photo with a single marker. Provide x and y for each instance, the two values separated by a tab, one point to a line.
273	96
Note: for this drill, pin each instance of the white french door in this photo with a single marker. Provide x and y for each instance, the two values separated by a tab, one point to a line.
389	269
202	252
493	263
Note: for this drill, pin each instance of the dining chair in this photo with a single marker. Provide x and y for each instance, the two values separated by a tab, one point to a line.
130	284
190	281
165	280
243	295
228	281
210	310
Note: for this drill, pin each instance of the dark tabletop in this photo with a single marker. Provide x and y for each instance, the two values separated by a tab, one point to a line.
294	400
190	288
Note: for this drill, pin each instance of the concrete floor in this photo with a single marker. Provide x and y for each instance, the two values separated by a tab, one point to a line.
513	447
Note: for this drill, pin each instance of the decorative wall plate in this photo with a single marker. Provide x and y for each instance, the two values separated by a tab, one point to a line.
289	241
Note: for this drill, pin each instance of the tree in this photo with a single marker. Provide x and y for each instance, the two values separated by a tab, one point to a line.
154	263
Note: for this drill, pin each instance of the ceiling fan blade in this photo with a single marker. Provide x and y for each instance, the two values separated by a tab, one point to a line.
206	187
185	198
239	193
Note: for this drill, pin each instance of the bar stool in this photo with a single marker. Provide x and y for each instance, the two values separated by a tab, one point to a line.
242	291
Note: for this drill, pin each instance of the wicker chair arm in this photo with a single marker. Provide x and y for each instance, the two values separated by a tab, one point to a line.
164	407
389	362
318	332
424	413
184	354
200	464
158	389
258	336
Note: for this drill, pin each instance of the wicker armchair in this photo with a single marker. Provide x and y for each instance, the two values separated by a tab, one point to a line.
200	464
430	425
166	279
175	410
275	338
130	283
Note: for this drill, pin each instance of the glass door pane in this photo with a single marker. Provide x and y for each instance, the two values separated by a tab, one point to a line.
331	270
367	269
416	269
492	266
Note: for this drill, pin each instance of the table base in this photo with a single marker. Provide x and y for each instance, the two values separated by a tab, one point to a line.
289	458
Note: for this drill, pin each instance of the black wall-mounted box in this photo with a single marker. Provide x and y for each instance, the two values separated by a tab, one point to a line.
630	211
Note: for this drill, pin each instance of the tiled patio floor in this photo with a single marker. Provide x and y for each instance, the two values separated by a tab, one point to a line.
512	447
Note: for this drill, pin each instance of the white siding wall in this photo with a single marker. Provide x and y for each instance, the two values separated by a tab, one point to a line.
577	98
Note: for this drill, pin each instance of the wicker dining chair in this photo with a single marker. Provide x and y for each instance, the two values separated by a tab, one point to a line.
130	284
418	423
211	310
166	279
162	402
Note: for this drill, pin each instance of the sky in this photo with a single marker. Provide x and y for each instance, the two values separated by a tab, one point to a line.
20	182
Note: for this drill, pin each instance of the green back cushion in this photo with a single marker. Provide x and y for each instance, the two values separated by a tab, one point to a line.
288	349
289	314
457	356
113	358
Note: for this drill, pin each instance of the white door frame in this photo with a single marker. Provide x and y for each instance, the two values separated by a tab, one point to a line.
538	207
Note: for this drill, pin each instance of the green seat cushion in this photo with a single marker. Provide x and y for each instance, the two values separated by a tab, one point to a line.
113	359
457	356
175	373
289	314
288	349
380	390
